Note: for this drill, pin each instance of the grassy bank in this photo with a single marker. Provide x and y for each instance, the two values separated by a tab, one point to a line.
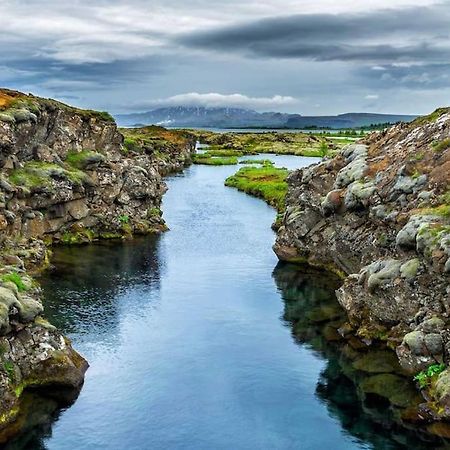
266	182
208	160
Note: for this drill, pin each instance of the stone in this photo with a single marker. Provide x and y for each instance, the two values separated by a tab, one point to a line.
29	308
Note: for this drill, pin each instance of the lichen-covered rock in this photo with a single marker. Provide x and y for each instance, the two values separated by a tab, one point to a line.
379	215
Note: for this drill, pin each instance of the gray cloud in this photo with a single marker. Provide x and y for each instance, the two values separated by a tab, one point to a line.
113	54
378	37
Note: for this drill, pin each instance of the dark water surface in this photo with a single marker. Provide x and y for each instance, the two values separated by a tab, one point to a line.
189	338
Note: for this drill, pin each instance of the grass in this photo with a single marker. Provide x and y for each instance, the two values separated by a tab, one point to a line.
214	161
266	162
267	182
430	118
15	278
152	139
222	152
282	143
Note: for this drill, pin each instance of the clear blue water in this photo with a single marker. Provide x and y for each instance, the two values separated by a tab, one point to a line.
188	339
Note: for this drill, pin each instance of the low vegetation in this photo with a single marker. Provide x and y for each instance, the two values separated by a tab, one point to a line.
152	139
301	144
425	377
38	174
15	278
214	161
266	182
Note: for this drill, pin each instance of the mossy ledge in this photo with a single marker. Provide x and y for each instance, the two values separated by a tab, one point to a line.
67	176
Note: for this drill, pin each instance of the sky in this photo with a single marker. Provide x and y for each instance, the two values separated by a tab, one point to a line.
310	57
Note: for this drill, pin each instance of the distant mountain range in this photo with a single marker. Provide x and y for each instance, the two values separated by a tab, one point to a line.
203	117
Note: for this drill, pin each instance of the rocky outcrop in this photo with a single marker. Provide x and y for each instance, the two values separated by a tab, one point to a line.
378	214
66	176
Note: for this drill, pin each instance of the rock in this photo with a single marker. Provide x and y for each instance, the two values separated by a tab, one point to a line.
332	202
392	387
377	362
29	308
408	270
381	221
358	193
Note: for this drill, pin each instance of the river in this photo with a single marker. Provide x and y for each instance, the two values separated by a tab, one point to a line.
189	336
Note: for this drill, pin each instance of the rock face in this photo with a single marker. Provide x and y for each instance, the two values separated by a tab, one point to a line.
65	176
378	214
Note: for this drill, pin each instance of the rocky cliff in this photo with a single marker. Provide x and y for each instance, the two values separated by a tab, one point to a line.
378	214
66	176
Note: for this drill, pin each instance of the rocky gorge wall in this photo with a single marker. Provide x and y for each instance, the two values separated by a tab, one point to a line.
378	214
66	176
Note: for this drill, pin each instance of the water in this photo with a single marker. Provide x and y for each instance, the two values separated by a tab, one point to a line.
189	338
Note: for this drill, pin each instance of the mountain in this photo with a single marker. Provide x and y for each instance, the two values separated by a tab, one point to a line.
203	117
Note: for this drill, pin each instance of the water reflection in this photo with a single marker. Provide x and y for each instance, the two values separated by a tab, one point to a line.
348	384
83	294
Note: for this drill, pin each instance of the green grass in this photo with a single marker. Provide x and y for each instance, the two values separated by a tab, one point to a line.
267	182
15	278
214	161
266	162
222	152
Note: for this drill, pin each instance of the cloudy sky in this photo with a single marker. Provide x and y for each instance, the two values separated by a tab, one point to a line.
305	56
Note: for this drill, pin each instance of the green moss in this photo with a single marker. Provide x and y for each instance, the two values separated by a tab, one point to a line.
267	182
80	160
154	212
15	278
79	237
38	174
123	219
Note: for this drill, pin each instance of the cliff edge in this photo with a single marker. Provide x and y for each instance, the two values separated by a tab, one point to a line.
378	214
66	176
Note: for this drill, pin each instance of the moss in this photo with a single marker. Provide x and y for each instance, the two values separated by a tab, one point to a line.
441	210
80	160
38	174
267	182
154	212
16	279
78	237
